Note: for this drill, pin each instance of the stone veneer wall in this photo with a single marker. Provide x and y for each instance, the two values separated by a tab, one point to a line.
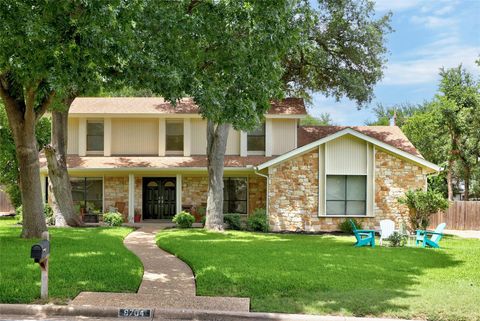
116	190
195	188
293	194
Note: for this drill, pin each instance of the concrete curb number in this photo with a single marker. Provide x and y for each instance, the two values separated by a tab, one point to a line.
135	313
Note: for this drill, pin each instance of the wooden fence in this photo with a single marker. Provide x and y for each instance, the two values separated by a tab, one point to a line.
5	205
461	215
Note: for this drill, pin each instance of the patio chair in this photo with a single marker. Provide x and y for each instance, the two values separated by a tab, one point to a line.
387	227
424	240
364	237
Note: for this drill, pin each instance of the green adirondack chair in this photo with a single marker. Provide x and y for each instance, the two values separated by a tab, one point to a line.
435	236
364	237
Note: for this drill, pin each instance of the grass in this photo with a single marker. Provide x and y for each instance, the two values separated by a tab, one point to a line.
81	259
325	274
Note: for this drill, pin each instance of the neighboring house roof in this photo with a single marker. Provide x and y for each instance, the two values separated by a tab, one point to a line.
158	105
75	162
391	135
381	141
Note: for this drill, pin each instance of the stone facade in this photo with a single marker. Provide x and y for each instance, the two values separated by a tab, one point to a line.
115	189
257	193
293	193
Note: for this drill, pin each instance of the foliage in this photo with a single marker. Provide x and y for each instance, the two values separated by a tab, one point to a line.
324	120
19	214
385	114
82	259
203	220
48	212
422	204
346	227
8	159
113	219
258	221
233	221
327	275
183	219
397	239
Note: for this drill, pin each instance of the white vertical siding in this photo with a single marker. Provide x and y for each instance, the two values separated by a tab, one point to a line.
283	135
233	143
370	178
132	136
82	136
187	137
72	144
268	137
321	179
346	156
198	136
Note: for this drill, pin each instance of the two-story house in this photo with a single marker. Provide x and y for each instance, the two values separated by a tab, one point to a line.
151	156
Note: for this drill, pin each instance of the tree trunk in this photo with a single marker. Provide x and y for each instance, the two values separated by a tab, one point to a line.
466	179
217	135
29	176
58	174
450	180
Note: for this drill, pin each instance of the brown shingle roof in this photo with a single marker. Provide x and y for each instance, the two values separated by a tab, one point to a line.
158	105
103	162
391	135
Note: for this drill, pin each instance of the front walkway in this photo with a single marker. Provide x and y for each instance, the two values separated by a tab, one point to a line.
167	281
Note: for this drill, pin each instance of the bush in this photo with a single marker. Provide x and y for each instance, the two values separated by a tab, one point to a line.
346	227
397	239
258	221
49	217
183	219
233	221
113	219
19	214
421	205
203	220
47	211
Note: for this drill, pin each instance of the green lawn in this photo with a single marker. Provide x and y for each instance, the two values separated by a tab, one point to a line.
327	275
82	259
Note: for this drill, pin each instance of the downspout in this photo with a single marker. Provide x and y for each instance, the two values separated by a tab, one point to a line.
255	168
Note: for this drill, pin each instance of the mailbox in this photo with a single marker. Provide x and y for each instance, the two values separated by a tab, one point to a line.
40	251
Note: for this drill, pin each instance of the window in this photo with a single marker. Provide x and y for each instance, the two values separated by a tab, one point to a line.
174	136
87	194
235	195
256	139
346	195
95	136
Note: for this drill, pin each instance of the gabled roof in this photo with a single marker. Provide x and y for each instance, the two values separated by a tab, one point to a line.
159	106
351	131
391	135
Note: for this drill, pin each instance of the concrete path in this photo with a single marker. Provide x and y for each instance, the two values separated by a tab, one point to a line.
167	282
471	234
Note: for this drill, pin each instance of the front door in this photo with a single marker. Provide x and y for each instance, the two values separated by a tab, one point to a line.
159	197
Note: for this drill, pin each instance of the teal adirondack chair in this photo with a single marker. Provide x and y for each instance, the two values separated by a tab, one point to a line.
364	237
436	236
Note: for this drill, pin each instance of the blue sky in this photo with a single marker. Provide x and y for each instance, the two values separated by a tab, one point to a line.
428	35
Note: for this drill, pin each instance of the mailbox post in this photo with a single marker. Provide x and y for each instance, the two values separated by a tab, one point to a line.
40	253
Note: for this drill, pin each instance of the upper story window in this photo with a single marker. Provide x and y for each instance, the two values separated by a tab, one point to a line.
94	136
346	194
256	139
174	136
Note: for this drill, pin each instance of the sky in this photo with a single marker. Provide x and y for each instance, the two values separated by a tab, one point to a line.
428	35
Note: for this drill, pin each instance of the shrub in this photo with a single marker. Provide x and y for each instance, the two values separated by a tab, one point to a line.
346	227
113	219
233	221
203	220
258	221
183	219
19	214
397	239
421	205
49	217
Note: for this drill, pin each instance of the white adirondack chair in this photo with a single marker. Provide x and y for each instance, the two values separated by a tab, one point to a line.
387	227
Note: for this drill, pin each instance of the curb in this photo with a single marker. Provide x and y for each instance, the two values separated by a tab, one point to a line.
45	311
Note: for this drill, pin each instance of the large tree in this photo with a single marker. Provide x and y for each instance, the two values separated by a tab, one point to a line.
233	57
50	51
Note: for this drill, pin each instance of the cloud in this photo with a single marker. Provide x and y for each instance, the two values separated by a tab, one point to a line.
433	21
398	5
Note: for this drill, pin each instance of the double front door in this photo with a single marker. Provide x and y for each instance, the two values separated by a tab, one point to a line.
159	197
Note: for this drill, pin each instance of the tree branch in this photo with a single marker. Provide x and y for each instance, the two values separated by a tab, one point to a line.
46	102
192	5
